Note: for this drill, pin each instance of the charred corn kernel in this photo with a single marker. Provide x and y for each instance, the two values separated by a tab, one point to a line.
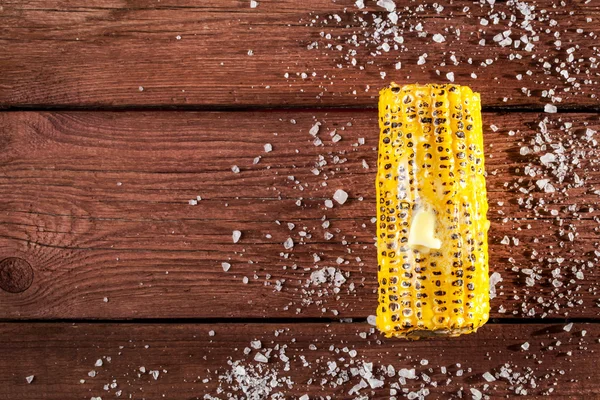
431	210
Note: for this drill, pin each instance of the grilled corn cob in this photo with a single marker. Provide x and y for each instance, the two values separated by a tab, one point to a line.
431	211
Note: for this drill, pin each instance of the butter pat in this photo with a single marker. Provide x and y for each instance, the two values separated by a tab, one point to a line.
422	230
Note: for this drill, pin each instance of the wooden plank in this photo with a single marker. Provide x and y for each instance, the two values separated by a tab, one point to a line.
185	53
97	204
192	364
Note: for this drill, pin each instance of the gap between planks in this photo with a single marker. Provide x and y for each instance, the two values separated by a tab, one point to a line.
279	321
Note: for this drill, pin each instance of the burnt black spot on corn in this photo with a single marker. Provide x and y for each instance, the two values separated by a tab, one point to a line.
432	206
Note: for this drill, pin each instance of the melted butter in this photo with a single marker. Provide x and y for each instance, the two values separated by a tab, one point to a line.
422	231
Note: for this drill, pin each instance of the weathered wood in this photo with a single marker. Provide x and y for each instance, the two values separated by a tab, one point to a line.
190	53
97	204
60	357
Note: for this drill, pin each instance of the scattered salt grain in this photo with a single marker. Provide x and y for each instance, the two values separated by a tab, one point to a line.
315	129
260	357
375	383
236	236
288	244
407	373
525	346
268	148
477	395
98	363
438	38
371	319
256	344
328	203
225	266
235	169
495	278
550	108
30	378
567	328
340	196
389	5
548	158
489	377
254	3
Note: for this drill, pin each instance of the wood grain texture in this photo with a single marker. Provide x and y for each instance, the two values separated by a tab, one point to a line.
100	52
190	361
97	204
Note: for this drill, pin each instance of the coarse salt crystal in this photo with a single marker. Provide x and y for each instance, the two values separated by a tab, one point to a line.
407	373
438	38
225	266
550	108
268	148
30	378
476	394
548	158
236	236
389	5
495	278
328	203
315	129
340	196
489	377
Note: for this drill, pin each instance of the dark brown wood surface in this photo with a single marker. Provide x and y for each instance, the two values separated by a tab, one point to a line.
100	52
117	113
190	361
97	203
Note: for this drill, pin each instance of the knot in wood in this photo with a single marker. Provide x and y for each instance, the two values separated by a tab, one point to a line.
16	275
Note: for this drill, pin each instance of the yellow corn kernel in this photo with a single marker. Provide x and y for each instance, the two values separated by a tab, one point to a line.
431	211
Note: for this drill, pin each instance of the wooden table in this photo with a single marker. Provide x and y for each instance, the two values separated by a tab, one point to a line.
120	115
